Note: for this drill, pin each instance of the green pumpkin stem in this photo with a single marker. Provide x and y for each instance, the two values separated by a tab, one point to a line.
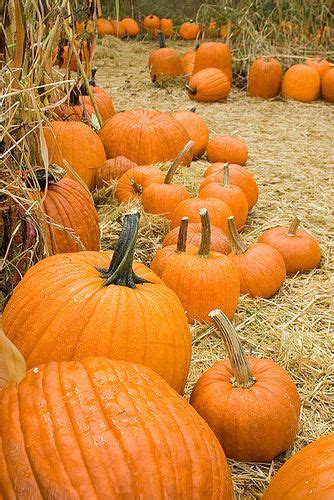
120	271
237	243
239	363
161	40
182	238
293	227
177	161
226	175
205	245
191	90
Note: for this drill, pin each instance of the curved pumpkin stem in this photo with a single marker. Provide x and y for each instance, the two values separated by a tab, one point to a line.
204	249
240	366
54	173
226	175
182	238
120	270
177	161
137	188
293	227
238	244
161	40
191	90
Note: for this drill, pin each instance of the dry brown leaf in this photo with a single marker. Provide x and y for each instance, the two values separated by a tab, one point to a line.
12	363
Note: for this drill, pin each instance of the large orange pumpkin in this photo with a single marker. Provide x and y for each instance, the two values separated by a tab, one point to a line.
327	85
131	27
227	149
144	136
164	62
189	30
218	211
250	403
100	428
214	55
301	83
75	143
72	305
208	85
196	128
264	79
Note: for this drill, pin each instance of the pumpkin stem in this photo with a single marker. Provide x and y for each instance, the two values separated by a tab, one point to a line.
74	97
238	244
161	40
92	80
191	90
120	271
137	188
240	366
54	173
182	239
204	249
293	227
193	110
177	161
226	175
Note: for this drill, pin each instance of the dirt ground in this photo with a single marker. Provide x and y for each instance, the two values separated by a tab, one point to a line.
291	156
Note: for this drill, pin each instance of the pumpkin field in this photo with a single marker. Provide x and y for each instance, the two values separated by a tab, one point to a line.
166	226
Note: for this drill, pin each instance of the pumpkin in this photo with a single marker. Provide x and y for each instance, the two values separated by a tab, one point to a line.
327	85
227	149
75	110
164	62
102	99
196	128
251	404
219	240
75	143
189	30
300	251
80	304
239	176
225	29
162	197
301	83
60	58
166	26
321	65
188	61
104	27
211	30
261	267
83	429
204	279
214	55
144	136
131	27
264	79
307	474
230	194
151	24
218	211
132	183
208	85
119	28
113	169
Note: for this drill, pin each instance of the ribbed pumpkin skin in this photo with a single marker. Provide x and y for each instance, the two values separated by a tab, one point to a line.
321	65
214	55
261	269
145	137
166	26
69	205
254	424
113	169
300	252
131	27
308	474
84	430
162	199
264	79
197	130
188	61
327	85
219	240
76	143
165	255
61	311
189	31
227	149
143	176
151	24
103	102
164	62
301	83
239	176
217	209
104	27
209	85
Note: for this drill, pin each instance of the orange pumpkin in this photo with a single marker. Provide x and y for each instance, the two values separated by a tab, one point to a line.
144	136
118	310
74	110
102	99
301	83
60	58
132	183
321	65
104	27
264	79
214	55
250	403
166	26
208	85
164	62
189	30
188	61
211	31
307	474
219	240
261	267
227	149
327	85
75	143
113	169
196	128
119	28
151	24
300	251
131	27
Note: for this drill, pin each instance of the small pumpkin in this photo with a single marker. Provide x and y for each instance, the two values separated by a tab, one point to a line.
214	55
131	27
264	79
300	251
251	404
261	267
307	474
211	31
100	308
104	27
189	30
218	211
219	240
166	26
230	194
102	99
327	85
196	128
113	169
133	182
227	149
321	65
301	83
208	85
75	110
164	62
151	24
